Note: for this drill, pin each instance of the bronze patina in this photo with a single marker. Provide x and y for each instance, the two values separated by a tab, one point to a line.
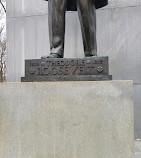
87	16
71	69
56	68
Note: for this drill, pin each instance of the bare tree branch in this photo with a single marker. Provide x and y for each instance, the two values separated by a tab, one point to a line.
3	6
2	45
1	29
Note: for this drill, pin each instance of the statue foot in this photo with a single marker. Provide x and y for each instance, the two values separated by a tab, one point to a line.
90	56
52	55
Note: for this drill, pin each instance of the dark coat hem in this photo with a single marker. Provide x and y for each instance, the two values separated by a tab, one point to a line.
71	5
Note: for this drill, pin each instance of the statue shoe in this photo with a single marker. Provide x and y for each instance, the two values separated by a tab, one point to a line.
52	55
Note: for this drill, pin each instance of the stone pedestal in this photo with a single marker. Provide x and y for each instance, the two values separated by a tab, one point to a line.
66	120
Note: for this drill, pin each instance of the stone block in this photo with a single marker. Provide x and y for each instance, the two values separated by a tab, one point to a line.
66	120
137	110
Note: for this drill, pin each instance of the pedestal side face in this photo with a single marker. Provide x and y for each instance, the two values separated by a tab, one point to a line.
66	120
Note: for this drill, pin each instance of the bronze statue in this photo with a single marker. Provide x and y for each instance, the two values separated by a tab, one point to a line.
54	67
87	15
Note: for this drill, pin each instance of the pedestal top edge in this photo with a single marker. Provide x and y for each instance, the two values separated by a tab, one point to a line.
74	82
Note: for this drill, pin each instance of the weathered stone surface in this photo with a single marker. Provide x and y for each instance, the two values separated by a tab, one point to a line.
137	110
66	120
138	149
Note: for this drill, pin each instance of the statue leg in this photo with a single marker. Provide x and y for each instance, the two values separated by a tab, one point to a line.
56	20
87	16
